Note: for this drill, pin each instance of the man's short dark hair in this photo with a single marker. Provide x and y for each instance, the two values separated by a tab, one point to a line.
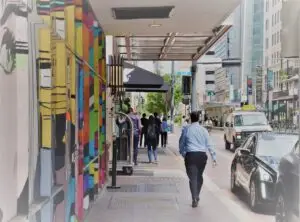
155	114
194	117
144	115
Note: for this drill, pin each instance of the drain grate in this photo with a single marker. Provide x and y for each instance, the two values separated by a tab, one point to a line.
147	188
143	173
142	203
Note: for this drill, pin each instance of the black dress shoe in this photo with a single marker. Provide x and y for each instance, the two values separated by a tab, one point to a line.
195	203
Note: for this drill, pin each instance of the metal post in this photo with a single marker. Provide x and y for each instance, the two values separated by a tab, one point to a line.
172	95
194	86
268	89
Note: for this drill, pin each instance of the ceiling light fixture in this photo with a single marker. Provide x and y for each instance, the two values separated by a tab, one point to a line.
155	25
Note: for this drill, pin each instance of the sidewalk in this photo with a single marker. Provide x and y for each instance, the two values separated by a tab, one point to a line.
157	193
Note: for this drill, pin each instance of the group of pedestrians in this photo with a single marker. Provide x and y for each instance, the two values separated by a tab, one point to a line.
150	129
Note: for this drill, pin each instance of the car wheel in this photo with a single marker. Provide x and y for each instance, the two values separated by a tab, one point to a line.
253	197
281	213
227	144
234	144
233	185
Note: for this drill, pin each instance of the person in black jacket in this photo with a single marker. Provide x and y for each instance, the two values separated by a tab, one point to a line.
158	125
144	122
152	139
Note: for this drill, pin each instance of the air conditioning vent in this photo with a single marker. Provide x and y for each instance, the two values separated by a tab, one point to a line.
160	12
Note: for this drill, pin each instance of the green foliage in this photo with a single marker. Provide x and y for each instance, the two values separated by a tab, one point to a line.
160	102
178	120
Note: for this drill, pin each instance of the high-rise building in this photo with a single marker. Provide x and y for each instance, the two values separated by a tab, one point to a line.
229	47
252	21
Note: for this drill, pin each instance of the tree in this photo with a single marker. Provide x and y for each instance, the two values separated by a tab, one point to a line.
161	102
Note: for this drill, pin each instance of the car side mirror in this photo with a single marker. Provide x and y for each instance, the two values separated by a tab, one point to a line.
227	124
245	152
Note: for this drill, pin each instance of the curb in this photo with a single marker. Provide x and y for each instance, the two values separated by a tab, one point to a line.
218	128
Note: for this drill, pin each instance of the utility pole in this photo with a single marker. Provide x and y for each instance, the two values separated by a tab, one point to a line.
172	95
194	86
268	92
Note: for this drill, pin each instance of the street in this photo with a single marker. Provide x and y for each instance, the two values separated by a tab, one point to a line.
160	192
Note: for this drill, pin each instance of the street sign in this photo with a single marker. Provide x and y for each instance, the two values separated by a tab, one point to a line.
211	93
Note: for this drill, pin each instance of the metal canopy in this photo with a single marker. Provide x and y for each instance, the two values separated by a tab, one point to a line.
164	29
164	88
173	46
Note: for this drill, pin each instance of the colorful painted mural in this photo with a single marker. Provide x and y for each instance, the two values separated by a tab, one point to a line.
77	64
70	163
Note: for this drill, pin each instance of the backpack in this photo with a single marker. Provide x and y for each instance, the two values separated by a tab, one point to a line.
151	132
165	127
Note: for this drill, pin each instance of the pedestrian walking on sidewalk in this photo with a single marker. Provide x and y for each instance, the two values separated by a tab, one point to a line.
152	139
136	133
164	132
194	143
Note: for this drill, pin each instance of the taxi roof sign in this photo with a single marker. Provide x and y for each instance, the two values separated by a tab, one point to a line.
248	108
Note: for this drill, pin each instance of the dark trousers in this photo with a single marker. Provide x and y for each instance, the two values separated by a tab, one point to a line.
143	134
164	139
195	163
135	148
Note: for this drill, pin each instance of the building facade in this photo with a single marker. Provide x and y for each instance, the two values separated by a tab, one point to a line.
279	72
229	47
53	110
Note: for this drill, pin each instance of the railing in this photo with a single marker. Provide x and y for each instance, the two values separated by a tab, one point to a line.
284	127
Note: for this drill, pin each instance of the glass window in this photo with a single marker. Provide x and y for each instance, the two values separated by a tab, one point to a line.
250	119
270	145
267	43
267	24
267	5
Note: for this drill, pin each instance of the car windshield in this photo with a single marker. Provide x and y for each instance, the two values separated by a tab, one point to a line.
275	145
250	120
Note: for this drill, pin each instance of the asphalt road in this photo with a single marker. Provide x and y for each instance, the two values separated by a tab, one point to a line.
217	180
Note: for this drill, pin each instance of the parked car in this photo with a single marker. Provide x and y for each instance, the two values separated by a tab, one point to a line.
254	167
287	188
240	124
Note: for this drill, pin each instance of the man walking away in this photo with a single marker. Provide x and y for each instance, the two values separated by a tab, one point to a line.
194	143
164	132
158	125
151	139
136	133
144	122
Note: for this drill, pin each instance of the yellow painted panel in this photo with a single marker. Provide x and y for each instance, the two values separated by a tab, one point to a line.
70	25
44	43
96	178
46	133
92	168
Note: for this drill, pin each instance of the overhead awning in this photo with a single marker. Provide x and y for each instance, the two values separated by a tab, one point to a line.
164	29
138	78
164	88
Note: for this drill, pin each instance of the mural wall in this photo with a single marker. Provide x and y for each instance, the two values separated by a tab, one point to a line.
67	56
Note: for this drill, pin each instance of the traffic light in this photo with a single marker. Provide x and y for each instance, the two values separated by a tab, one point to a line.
186	85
